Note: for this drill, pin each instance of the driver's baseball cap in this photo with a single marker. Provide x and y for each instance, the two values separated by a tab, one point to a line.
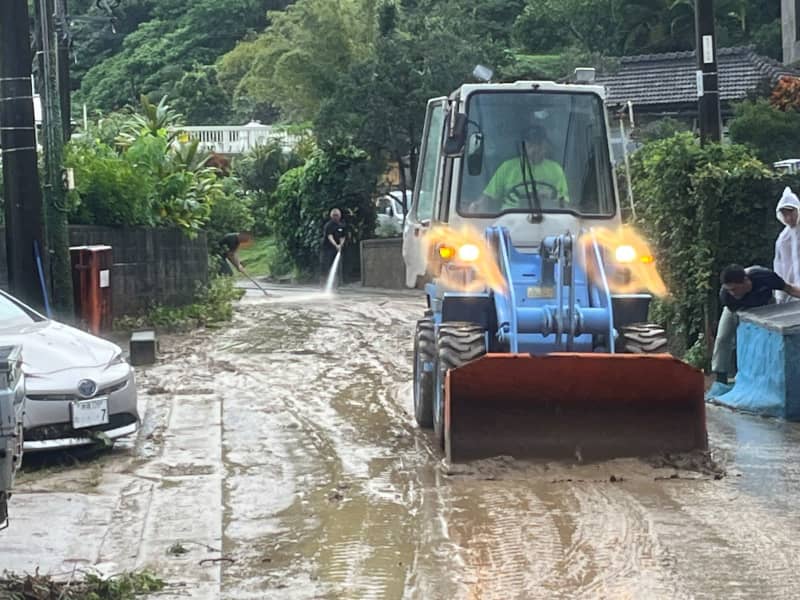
535	133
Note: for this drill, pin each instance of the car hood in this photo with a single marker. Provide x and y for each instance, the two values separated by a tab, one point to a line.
49	347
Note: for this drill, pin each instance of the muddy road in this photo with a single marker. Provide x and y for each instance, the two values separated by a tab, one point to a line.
279	459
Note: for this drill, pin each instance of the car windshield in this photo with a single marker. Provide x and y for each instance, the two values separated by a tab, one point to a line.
13	314
536	152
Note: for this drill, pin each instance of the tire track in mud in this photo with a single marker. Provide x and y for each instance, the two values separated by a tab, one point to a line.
730	545
342	448
511	542
610	546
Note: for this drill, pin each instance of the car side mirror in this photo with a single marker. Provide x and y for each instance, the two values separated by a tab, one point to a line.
389	211
475	154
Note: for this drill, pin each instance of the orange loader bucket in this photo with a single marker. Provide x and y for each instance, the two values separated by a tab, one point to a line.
588	406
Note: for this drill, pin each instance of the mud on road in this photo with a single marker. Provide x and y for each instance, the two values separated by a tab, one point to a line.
281	453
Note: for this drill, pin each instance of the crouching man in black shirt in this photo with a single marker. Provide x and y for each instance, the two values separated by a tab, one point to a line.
741	289
228	251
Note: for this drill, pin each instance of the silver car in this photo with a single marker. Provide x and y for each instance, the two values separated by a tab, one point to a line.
79	388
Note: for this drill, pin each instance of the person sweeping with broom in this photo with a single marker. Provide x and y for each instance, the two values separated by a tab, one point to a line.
229	255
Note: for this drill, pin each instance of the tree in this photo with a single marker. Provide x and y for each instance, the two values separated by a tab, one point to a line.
301	58
179	37
380	104
771	133
333	177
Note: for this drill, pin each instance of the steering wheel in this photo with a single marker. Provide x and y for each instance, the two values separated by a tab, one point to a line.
518	195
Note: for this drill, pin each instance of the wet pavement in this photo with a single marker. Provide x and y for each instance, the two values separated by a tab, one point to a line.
278	458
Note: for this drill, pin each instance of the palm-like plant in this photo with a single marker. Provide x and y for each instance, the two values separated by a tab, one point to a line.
159	120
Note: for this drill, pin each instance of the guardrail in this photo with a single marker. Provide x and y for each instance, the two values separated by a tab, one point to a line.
232	139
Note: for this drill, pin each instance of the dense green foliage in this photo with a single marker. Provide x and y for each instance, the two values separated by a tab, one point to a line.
243	58
259	172
164	47
704	208
333	177
149	177
771	133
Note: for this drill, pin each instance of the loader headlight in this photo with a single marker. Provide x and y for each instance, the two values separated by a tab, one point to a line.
625	254
468	253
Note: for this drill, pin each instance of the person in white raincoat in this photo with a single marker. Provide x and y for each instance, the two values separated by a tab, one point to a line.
787	246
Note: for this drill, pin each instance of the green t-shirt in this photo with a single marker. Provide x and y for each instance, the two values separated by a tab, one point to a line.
509	176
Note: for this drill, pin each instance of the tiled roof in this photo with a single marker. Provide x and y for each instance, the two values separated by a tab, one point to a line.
659	79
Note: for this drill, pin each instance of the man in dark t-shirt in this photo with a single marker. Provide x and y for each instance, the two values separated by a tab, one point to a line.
229	251
741	289
333	238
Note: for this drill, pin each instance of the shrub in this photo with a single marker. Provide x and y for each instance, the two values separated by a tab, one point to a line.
213	305
149	178
770	133
110	190
231	213
703	207
259	172
335	177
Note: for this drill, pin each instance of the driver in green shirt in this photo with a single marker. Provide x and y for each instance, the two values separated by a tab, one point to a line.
507	188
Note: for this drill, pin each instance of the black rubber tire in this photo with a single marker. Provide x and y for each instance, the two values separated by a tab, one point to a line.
457	344
642	338
424	351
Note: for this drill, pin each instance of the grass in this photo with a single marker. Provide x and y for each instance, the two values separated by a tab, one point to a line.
257	257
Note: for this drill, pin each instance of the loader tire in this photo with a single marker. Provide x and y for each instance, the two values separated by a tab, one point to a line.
424	352
457	344
642	338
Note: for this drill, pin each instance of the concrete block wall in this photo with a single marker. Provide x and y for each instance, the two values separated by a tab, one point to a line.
382	263
150	266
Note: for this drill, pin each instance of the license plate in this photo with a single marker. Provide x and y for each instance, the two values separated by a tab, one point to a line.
541	291
87	413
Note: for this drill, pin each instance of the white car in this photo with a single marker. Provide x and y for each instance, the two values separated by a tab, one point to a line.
80	390
390	210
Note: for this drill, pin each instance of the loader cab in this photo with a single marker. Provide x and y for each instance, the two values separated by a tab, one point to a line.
533	157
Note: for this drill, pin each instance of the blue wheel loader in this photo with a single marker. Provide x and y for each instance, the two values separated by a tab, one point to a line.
535	343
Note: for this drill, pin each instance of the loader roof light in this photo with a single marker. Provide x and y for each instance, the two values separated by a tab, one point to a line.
446	252
647	259
625	254
468	253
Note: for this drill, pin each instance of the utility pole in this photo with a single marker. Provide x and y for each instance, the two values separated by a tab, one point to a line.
64	85
707	77
23	197
53	142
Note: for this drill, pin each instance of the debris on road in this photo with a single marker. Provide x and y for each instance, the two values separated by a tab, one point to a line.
125	586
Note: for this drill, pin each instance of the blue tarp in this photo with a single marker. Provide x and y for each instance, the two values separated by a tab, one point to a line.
768	363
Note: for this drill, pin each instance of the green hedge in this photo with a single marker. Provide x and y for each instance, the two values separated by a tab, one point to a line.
703	208
331	178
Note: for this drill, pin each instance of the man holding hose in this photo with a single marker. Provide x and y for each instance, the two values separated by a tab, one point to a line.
333	238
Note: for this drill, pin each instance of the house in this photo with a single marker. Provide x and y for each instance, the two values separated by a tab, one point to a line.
655	86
